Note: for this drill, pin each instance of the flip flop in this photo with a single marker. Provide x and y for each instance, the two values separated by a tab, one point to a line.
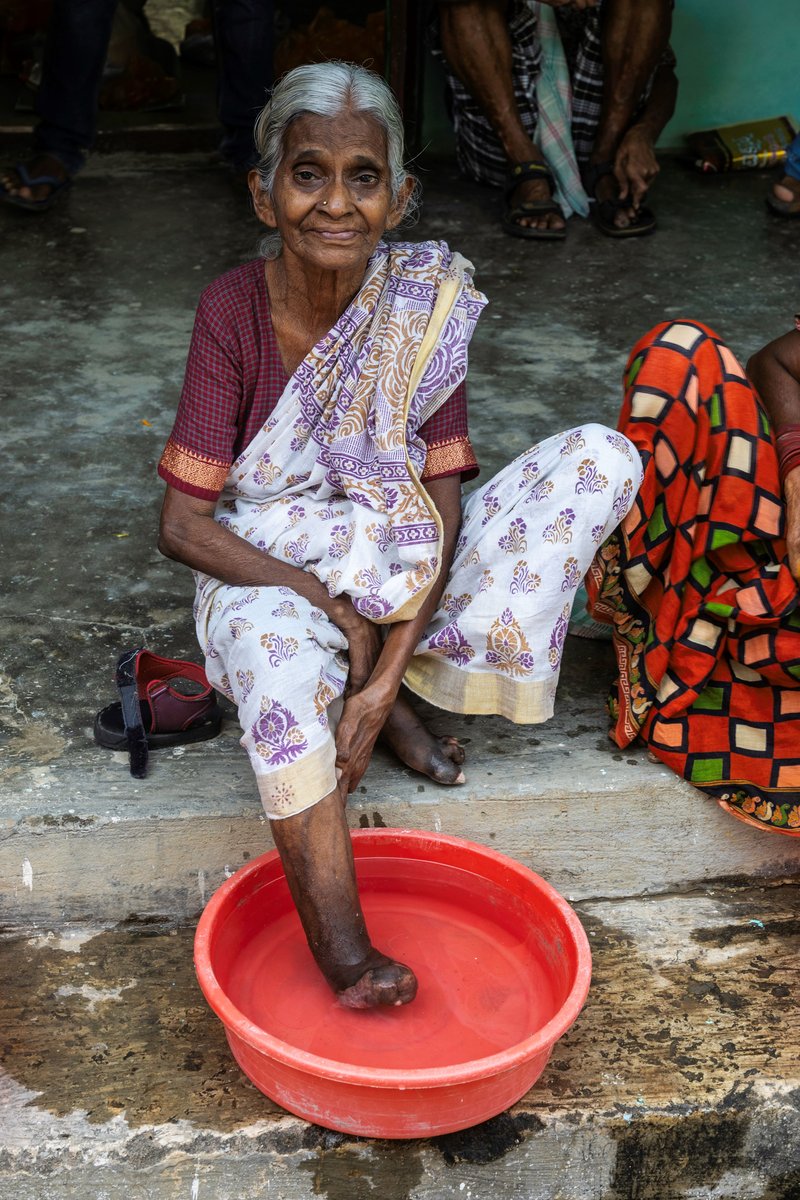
521	173
602	212
59	186
152	712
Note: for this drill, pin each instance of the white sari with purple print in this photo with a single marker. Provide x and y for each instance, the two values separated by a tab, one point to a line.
332	485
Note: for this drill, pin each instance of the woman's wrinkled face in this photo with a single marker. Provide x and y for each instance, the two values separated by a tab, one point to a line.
331	199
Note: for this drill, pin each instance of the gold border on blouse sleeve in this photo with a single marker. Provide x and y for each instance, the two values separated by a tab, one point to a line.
193	468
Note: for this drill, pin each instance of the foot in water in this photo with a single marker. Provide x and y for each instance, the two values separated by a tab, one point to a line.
377	982
440	758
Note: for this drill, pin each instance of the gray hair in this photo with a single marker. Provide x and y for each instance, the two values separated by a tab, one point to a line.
326	89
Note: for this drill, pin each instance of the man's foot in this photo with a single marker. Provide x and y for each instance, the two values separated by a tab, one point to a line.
440	758
784	199
612	215
607	192
378	982
531	211
34	185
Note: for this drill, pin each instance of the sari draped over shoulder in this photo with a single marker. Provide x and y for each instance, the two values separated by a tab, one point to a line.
331	483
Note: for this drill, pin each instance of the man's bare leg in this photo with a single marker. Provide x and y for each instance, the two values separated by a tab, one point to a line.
317	857
477	45
635	34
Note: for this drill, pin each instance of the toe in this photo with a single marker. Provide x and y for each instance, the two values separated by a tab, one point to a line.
445	770
387	986
453	749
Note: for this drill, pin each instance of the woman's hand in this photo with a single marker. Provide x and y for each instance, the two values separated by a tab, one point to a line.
363	717
791	490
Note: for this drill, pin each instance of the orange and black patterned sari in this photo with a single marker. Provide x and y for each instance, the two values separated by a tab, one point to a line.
697	586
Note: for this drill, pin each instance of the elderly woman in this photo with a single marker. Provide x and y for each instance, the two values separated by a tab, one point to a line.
314	485
700	581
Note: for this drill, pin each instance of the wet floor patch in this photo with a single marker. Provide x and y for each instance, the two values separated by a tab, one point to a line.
120	1027
692	1006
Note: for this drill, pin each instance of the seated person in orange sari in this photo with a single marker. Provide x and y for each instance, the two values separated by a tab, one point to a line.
700	582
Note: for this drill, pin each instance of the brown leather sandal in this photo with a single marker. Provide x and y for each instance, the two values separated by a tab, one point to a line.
155	709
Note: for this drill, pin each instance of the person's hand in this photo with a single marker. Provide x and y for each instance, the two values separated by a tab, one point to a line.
791	490
364	641
363	716
635	165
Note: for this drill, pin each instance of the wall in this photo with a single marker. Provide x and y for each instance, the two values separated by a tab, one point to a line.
737	59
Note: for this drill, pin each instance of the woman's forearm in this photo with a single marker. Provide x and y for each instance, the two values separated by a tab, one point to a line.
200	542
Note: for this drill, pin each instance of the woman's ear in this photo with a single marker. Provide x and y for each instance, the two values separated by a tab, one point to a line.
262	201
398	209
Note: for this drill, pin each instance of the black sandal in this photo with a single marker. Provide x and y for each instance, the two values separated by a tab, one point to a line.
152	712
521	173
603	212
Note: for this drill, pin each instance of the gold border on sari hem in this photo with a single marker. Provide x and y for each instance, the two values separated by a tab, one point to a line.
298	785
482	693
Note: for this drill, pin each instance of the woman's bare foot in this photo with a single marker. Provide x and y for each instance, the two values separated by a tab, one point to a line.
317	856
785	197
378	982
440	758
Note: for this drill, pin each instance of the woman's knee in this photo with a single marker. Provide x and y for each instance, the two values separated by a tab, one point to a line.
616	458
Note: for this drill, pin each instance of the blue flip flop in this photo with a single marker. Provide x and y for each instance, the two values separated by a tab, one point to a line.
59	186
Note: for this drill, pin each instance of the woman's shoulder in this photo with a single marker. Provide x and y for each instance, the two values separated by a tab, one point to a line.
239	291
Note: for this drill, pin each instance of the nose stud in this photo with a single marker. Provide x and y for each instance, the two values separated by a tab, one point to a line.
324	202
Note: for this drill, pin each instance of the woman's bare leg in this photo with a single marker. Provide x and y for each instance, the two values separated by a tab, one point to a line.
317	857
476	43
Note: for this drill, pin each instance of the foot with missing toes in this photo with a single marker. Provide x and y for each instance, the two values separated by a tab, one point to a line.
440	758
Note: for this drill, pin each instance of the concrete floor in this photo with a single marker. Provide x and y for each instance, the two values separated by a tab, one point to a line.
99	298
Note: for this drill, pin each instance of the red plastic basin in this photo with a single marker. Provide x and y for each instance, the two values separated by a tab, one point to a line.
503	966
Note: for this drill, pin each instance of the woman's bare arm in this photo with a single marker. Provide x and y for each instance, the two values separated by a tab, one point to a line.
775	373
189	534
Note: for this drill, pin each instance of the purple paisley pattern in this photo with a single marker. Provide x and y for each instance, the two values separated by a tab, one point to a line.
451	643
277	736
279	649
557	637
560	530
373	606
590	478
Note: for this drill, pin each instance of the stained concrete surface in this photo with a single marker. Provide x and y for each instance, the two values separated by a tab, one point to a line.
98	300
678	1080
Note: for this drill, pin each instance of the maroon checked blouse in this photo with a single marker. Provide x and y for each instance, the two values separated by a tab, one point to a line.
234	379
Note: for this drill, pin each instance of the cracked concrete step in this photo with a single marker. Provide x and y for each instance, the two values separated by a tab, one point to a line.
679	1081
90	843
